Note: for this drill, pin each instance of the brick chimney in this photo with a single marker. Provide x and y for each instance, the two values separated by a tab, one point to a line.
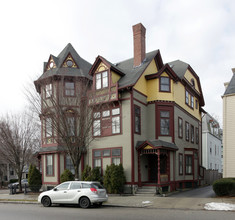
139	44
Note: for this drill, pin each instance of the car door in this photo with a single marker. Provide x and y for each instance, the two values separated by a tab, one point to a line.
74	192
60	193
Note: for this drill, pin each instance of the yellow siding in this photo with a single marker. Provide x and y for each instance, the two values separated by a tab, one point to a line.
115	77
101	67
141	85
188	75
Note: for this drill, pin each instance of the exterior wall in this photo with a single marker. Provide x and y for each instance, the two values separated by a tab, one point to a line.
122	140
228	135
188	76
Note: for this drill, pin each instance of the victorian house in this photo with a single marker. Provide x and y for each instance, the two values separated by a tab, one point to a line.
150	120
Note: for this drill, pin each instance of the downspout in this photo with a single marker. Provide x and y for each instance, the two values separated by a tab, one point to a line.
132	141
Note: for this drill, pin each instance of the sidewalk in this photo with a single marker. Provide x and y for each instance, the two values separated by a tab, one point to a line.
131	201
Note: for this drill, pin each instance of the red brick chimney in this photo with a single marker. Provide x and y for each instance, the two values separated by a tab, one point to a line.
139	44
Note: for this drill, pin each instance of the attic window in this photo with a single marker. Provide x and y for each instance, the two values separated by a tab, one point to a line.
193	82
69	63
51	64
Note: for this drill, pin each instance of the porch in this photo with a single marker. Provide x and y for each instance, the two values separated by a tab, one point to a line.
154	161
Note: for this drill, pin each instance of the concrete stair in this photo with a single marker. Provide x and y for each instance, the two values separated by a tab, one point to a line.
146	190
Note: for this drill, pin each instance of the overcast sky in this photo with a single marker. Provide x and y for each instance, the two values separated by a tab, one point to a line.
198	32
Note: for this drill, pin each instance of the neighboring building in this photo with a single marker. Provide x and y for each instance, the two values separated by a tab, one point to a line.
150	122
229	128
211	143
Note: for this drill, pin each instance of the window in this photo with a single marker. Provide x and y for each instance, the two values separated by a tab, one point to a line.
63	186
115	155
164	122
101	80
69	89
48	90
107	122
48	127
188	164
192	101
165	84
49	165
196	104
187	131
197	136
137	120
180	164
192	133
71	126
180	127
75	185
116	125
69	164
186	97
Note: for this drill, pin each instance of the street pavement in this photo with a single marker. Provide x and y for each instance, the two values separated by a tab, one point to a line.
181	200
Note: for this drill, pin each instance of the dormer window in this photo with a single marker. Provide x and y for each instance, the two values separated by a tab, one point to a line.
101	80
164	84
51	64
69	63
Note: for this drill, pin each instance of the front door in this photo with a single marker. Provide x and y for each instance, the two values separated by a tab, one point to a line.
153	168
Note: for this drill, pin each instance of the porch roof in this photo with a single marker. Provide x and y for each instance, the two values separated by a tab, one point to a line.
156	144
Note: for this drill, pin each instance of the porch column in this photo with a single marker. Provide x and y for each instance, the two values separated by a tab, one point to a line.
158	168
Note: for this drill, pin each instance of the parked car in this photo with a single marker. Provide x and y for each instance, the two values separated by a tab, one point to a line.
24	182
84	193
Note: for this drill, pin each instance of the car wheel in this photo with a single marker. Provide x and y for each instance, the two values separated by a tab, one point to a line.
84	202
46	201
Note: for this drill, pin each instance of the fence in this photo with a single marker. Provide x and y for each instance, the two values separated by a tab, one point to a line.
211	175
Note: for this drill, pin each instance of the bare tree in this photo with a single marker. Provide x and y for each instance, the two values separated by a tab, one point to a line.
67	119
18	140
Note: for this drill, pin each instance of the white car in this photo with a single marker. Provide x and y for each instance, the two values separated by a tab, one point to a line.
83	193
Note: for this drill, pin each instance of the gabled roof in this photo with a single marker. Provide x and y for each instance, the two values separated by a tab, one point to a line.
231	86
81	71
132	74
155	144
180	68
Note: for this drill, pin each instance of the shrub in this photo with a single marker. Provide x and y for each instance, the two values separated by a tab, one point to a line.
114	179
224	187
89	174
66	176
34	179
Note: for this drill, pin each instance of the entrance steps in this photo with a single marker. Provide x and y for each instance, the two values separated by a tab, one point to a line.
146	190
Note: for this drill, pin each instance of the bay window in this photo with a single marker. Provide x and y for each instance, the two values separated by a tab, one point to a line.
48	90
69	88
49	165
164	122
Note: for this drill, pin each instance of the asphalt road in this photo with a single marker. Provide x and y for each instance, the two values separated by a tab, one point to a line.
202	192
38	212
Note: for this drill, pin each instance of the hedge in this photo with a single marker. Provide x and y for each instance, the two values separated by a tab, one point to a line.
224	187
66	176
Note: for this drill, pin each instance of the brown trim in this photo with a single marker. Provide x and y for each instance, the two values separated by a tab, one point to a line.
140	93
137	100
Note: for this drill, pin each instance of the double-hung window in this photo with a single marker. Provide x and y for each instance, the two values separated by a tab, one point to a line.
192	133
71	126
101	80
69	88
49	165
164	84
48	90
96	124
188	164
187	131
69	164
116	121
48	127
187	97
137	119
180	127
164	122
